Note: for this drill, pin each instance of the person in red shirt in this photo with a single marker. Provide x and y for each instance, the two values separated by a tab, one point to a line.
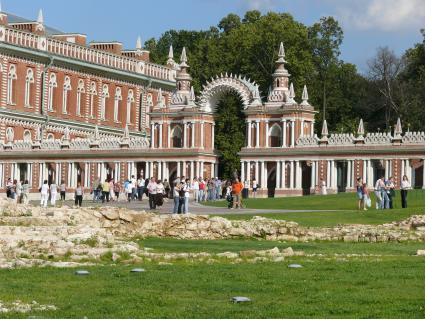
237	188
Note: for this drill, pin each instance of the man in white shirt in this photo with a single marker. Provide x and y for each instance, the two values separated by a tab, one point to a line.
152	190
195	187
140	187
186	189
44	191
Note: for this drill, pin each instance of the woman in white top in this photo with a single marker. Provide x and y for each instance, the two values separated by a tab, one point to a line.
405	186
53	193
254	188
160	191
44	191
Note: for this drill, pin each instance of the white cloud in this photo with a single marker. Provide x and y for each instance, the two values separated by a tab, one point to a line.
384	15
262	5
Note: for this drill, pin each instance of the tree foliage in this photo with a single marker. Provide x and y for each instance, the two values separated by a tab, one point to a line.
248	46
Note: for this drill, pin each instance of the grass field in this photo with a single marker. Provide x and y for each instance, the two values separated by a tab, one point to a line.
387	286
330	210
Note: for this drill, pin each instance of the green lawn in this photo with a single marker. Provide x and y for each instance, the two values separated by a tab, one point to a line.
384	287
341	201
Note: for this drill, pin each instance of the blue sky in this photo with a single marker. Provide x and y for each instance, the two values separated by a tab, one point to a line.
367	24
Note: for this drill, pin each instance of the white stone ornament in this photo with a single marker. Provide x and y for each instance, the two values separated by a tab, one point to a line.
240	299
10	134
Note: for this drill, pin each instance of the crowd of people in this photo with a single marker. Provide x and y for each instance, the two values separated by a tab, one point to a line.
182	190
384	191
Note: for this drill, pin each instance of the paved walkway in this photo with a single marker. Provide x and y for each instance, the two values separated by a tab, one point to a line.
194	208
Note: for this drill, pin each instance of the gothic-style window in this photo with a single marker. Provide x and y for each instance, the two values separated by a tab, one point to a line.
11	87
92	93
80	91
10	134
65	96
275	136
117	102
51	92
177	137
29	80
104	96
130	101
50	137
27	136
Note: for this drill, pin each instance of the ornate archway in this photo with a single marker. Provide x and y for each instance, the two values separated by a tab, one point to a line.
212	91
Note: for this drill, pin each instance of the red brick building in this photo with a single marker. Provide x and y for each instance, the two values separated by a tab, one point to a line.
77	111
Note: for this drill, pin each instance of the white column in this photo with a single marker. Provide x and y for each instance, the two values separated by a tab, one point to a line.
291	177
328	173
151	168
168	134
263	177
283	173
242	171
29	176
185	135
386	168
212	170
401	177
312	128
364	170
284	133
349	174
160	170
257	133
193	135
298	175
152	135
70	173
292	133
248	144
212	137
160	135
197	169
202	169
178	169
257	175
313	174
278	174
267	133
369	174
216	169
184	169
192	176
202	135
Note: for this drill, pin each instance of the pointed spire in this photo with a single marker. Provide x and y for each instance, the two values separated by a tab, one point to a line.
281	53
171	53
192	93
40	18
360	129
325	132
305	96
183	58
139	43
398	129
291	93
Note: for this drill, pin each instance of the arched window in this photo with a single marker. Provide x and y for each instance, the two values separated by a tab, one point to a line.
51	92
11	78
27	136
50	137
29	80
92	93
177	137
130	101
65	96
80	91
104	96
275	134
117	102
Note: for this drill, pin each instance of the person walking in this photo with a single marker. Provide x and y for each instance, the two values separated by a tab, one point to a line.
63	190
254	188
79	193
167	188
218	188
140	188
366	199
129	190
176	198
159	197
405	186
117	190
53	193
237	188
25	192
44	192
9	186
111	189
359	192
379	189
390	191
186	189
105	191
152	186
201	190
181	197
134	188
195	188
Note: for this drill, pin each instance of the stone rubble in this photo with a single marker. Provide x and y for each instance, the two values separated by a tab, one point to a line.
19	306
31	235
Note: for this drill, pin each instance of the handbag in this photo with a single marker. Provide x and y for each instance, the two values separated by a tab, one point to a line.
368	202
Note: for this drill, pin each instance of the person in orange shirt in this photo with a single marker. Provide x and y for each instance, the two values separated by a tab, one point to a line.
237	188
